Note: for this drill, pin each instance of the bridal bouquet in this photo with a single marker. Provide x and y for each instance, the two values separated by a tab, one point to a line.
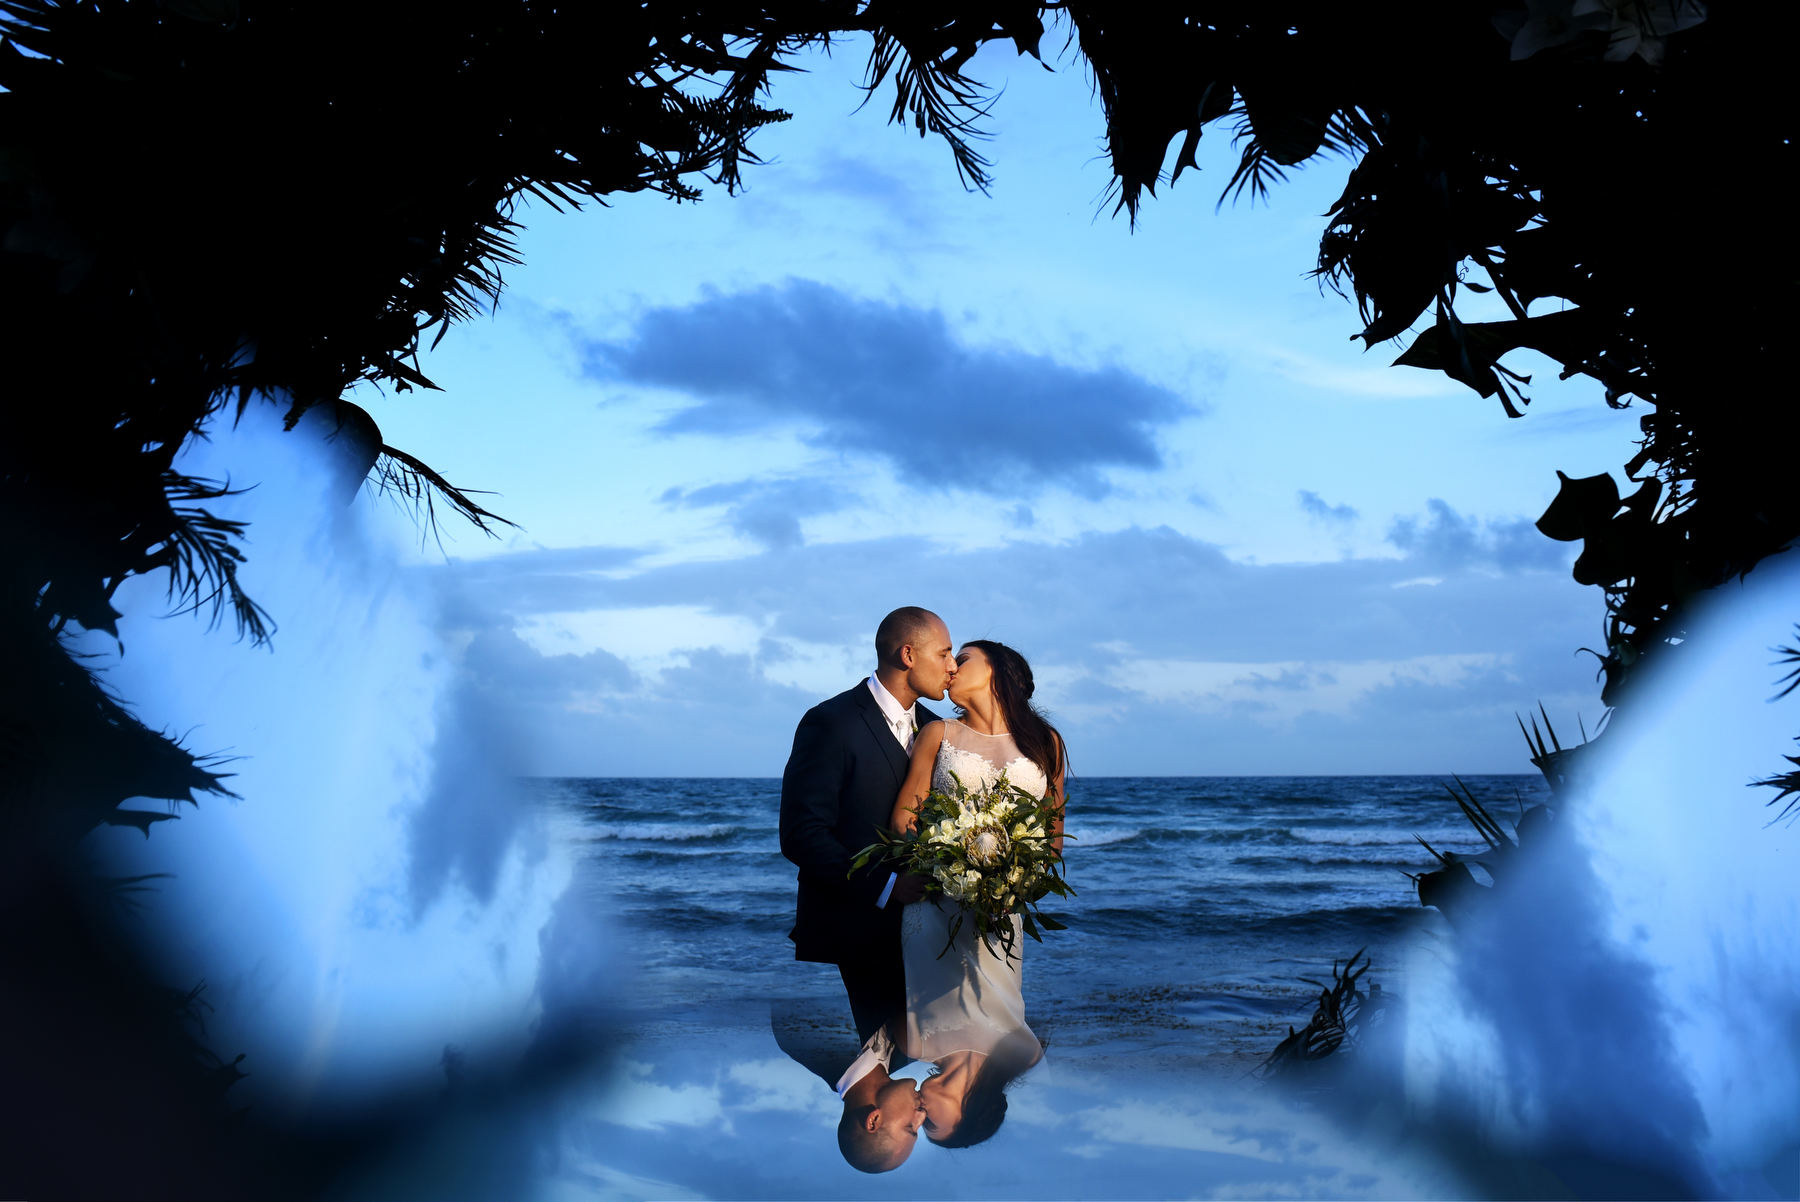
987	849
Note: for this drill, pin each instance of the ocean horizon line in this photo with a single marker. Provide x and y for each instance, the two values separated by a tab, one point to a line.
1533	775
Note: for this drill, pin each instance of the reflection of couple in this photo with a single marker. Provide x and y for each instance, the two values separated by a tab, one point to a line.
864	760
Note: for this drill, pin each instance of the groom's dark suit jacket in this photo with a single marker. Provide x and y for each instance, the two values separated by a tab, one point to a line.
839	788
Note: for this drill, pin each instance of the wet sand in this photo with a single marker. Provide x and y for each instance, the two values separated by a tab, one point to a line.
704	1102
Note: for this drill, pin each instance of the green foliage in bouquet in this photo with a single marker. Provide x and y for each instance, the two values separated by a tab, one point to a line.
990	850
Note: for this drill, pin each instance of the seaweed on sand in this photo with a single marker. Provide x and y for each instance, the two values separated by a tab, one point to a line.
1343	1014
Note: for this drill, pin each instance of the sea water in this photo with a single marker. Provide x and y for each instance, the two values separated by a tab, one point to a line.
1202	903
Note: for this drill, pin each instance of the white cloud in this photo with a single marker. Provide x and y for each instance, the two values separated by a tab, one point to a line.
1374	379
1280	690
1322	1185
1171	1126
781	1085
633	1100
649	638
1154	650
818	668
586	1179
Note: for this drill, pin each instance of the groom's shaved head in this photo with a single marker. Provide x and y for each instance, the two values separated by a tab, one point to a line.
869	1151
907	625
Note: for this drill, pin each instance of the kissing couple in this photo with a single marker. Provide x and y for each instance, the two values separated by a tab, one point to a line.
864	761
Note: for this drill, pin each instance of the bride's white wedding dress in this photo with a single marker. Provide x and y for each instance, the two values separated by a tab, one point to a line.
971	998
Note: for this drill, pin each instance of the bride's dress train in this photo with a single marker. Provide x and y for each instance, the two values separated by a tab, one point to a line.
970	998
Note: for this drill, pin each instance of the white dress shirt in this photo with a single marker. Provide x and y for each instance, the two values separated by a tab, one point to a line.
901	719
878	1050
904	723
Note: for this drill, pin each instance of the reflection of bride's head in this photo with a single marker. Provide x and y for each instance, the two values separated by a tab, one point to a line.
964	1103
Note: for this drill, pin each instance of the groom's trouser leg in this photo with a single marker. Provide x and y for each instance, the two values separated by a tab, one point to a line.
877	990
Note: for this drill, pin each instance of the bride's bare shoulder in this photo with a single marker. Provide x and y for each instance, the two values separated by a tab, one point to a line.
926	742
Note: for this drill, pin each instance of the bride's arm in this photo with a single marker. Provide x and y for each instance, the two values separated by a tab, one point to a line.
1056	791
918	777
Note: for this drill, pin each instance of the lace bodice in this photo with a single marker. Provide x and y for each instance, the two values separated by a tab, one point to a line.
978	760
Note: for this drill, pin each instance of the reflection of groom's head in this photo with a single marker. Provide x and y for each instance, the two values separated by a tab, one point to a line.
877	1138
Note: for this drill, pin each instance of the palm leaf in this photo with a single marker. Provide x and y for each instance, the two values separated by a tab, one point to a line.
417	484
1789	655
936	98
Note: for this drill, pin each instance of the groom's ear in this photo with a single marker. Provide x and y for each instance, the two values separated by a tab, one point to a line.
907	657
872	1120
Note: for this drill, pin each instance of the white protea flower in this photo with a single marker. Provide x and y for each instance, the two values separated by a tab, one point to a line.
986	844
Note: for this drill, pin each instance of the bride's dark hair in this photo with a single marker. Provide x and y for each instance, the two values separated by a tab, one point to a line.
982	1113
1013	686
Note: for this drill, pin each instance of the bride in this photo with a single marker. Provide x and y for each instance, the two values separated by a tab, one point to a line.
965	1006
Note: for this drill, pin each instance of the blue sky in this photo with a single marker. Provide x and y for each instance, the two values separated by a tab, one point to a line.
735	433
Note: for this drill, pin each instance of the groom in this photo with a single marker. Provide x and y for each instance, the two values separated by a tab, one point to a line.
849	759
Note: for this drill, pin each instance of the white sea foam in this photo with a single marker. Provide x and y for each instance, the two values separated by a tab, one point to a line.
657	832
1079	837
1441	837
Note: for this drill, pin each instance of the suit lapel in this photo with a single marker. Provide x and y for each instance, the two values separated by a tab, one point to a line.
884	737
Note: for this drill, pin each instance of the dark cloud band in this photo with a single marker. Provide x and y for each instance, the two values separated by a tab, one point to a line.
891	381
